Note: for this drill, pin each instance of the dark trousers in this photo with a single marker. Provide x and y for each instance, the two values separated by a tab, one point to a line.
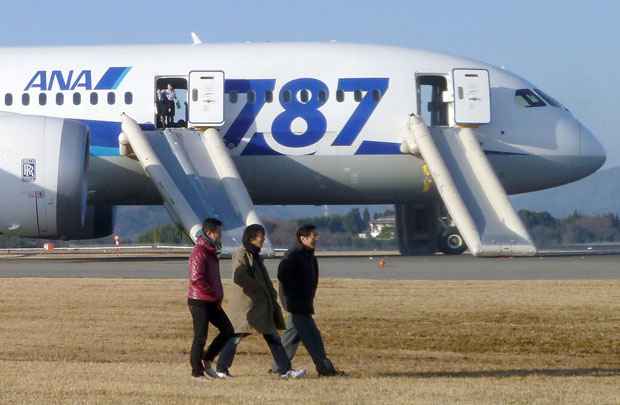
303	329
282	364
169	112
204	313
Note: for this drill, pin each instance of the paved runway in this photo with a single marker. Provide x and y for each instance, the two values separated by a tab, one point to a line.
396	268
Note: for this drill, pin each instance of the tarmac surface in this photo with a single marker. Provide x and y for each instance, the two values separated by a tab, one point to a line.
437	267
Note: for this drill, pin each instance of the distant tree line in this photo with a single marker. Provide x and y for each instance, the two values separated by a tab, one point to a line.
337	232
352	222
165	234
577	228
342	232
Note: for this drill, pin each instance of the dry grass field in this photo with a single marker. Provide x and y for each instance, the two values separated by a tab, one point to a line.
126	341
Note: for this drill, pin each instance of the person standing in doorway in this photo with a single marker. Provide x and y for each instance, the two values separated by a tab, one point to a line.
298	274
254	305
204	299
160	105
169	97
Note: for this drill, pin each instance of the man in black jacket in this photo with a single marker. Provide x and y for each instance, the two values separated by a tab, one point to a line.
298	274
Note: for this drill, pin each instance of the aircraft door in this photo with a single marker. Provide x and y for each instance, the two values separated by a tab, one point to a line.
433	99
206	98
472	96
170	99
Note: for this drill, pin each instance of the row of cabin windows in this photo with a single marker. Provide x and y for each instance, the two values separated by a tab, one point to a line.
77	98
304	96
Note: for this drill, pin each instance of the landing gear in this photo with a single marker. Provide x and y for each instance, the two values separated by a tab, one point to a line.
417	228
425	228
451	242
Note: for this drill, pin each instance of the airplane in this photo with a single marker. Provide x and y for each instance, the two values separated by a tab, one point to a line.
444	138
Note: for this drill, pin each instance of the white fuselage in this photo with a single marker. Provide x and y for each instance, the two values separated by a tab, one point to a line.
306	123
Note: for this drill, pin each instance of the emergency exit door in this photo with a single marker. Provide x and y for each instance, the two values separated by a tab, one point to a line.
206	98
472	96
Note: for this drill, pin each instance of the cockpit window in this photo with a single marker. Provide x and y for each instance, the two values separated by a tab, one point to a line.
527	98
550	100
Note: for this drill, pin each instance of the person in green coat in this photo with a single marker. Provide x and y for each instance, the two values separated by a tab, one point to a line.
253	305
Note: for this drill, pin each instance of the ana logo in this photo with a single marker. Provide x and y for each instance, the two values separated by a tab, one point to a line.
44	80
29	170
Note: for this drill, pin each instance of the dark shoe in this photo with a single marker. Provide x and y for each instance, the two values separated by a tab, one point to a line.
333	373
326	369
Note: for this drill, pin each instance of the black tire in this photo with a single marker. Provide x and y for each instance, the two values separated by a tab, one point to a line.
451	242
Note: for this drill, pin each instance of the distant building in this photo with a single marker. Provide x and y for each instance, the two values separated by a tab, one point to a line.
378	225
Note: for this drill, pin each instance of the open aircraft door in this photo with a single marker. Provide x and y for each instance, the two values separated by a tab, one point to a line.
461	173
472	96
192	168
206	98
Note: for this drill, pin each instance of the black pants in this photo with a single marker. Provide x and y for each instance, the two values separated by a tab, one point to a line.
169	113
282	364
202	313
301	328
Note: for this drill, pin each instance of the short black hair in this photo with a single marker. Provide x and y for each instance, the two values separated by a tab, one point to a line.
305	231
251	232
211	224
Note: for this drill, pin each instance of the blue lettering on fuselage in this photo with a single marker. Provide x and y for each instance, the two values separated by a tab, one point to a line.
44	80
57	77
301	98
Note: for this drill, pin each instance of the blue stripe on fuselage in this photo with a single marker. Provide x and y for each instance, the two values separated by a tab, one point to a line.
378	148
104	136
112	78
104	142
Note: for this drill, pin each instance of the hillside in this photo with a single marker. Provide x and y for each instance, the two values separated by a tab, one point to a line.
596	194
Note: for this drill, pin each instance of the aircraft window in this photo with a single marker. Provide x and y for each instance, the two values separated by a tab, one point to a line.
269	96
8	99
527	98
233	97
251	96
129	98
77	99
304	96
111	98
340	96
550	100
60	99
94	98
376	95
322	96
286	96
42	98
25	99
358	95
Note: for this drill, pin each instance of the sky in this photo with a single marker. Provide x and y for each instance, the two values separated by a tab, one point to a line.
569	49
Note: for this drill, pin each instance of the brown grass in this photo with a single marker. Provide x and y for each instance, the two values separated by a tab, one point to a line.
93	341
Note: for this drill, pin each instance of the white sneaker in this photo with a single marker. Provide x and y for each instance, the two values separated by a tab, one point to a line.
211	373
226	374
293	374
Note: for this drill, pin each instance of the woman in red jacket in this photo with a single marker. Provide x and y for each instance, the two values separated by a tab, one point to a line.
204	298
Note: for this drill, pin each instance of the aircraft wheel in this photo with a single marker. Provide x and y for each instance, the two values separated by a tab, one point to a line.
451	242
